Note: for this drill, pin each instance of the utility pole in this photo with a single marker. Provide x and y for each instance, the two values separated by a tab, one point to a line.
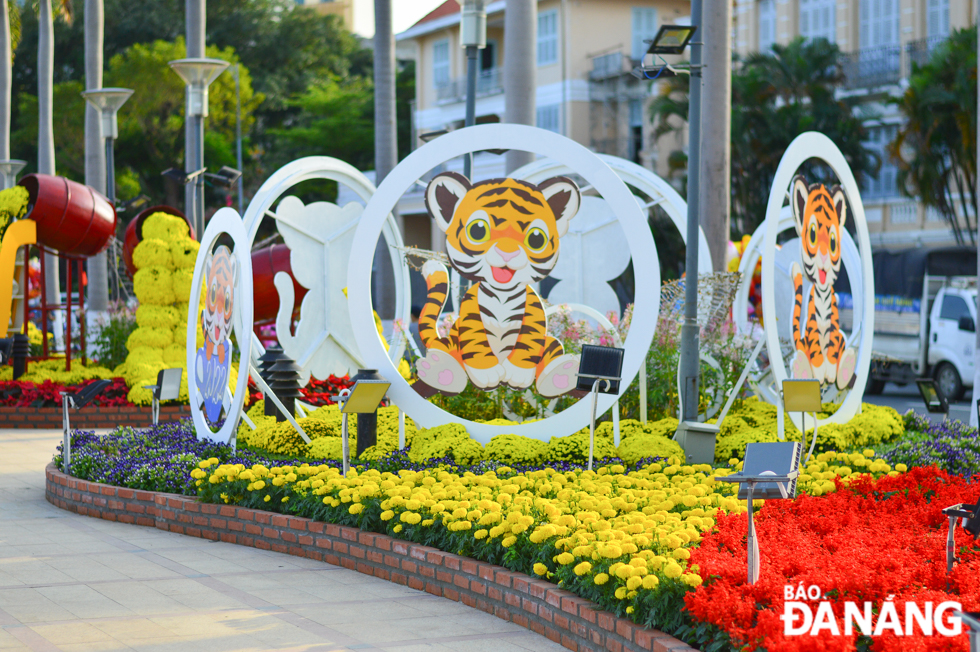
689	359
196	21
717	124
385	145
473	37
520	71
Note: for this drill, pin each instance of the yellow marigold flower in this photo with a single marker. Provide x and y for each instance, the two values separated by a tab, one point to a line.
480	534
356	508
600	579
612	551
629	610
634	583
509	541
540	569
583	568
623	571
621	593
901	468
681	553
691	580
427	522
564	558
650	582
397	528
387	515
267	498
673	570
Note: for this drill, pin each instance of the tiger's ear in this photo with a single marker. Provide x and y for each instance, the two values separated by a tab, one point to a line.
840	203
797	198
443	194
564	198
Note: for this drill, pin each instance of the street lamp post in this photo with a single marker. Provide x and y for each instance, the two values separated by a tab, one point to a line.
197	73
108	101
473	37
238	136
9	170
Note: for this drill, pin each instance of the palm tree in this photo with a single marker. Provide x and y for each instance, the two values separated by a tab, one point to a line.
95	173
45	133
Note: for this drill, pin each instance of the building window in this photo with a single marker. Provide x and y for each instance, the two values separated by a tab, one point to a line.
644	27
548	118
879	23
488	56
636	130
937	19
548	37
767	24
818	19
440	63
883	185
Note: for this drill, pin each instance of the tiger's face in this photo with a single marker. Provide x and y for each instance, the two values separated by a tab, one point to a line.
502	232
820	216
222	275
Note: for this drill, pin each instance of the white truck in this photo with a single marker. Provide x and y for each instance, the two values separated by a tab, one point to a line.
925	318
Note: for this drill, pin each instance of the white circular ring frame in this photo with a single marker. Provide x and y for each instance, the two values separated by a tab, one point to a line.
226	220
807	146
326	167
643	180
517	137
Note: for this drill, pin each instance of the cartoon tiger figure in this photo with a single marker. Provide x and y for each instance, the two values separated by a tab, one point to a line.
214	358
222	275
821	351
502	234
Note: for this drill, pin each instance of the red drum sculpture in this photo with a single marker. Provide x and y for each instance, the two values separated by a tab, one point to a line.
72	218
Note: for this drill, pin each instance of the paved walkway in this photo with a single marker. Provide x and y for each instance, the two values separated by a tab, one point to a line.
70	582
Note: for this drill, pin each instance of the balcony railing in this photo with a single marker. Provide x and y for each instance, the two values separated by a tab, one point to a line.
488	82
881	66
608	65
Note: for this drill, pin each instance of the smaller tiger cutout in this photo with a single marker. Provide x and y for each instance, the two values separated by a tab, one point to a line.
502	234
214	358
821	351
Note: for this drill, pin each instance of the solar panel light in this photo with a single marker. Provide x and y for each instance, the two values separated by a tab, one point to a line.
363	397
770	472
166	389
76	400
803	396
969	518
226	176
932	395
671	39
181	177
599	371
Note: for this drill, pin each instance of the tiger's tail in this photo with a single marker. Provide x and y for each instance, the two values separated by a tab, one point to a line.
437	291
798	307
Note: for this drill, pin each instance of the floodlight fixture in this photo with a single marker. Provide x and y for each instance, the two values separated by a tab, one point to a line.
76	400
167	388
181	177
108	101
226	176
363	397
9	170
473	24
803	395
599	370
932	395
198	73
432	135
770	471
671	39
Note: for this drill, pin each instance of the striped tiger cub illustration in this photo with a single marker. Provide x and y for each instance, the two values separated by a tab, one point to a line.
821	351
502	234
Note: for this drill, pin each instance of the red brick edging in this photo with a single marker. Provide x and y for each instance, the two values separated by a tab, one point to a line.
88	417
529	602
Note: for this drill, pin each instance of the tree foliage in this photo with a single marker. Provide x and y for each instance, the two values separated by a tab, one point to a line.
936	147
775	97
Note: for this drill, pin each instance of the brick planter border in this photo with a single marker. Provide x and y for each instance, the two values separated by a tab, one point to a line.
88	418
532	603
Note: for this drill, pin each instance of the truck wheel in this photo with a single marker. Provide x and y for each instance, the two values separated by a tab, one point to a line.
949	382
874	387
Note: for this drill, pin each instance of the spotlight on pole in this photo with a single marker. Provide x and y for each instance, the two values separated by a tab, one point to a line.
108	101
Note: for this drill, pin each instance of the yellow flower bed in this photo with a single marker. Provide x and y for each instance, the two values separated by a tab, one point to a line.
54	370
628	533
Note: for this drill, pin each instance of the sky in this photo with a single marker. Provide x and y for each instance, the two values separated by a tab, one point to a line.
405	14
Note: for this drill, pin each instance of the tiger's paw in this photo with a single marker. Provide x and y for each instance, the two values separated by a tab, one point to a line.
794	272
517	377
441	372
801	366
559	377
486	378
845	369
